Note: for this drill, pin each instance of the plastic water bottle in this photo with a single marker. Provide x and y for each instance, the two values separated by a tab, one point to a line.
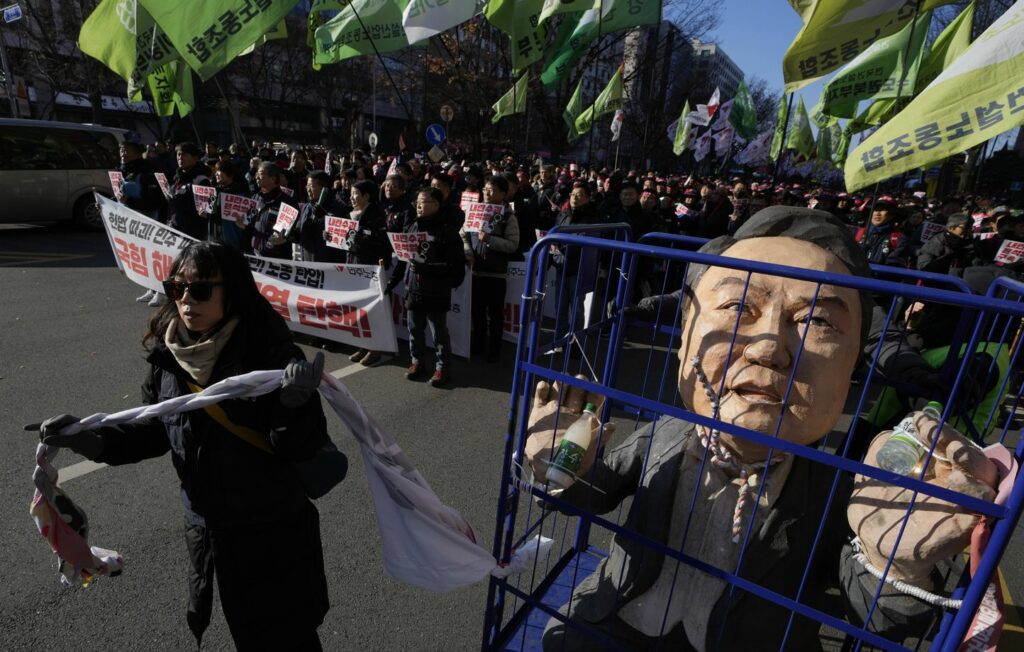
903	451
572	449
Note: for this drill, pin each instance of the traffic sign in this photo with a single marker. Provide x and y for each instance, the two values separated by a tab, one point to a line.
372	139
435	134
447	113
12	13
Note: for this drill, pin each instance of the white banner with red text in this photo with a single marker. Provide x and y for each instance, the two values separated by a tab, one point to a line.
343	303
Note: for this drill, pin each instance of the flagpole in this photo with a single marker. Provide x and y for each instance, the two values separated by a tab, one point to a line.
373	45
782	142
618	144
597	61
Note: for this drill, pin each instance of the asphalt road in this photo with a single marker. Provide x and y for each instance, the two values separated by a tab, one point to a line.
70	341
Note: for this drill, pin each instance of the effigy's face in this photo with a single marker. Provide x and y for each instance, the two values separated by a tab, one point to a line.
796	344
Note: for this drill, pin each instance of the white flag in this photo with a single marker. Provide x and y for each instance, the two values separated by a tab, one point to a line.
723	141
711	107
424	19
702	147
756	150
620	115
722	118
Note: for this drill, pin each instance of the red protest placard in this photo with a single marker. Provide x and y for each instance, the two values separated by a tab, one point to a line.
285	218
929	230
467	199
235	207
407	245
478	216
340	231
165	187
1009	252
116	181
203	197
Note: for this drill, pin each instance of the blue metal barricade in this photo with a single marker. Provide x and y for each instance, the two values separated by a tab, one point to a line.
635	370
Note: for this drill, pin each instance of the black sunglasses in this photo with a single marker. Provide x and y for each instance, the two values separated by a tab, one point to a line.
200	290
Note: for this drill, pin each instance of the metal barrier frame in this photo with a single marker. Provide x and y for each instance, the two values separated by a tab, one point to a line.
952	632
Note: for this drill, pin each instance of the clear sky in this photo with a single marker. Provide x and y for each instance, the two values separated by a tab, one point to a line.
755	34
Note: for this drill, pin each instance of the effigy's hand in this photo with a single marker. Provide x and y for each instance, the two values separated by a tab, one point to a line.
937	529
543	437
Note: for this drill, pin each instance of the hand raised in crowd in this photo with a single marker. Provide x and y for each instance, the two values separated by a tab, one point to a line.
937	529
86	443
551	405
300	380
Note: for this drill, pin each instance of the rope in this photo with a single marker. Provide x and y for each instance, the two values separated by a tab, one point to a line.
900	585
723	459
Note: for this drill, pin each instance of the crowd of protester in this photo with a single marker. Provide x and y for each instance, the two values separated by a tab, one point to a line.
386	194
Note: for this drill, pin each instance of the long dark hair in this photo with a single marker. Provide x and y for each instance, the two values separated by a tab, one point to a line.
242	298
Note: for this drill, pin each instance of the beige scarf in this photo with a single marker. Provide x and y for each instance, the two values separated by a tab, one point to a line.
198	356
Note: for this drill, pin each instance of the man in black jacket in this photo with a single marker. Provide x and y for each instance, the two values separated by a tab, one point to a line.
139	190
951	251
439	267
182	213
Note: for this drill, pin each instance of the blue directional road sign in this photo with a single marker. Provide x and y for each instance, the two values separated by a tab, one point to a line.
436	134
12	13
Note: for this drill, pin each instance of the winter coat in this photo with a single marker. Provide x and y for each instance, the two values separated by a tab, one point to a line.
241	503
881	244
268	205
524	205
399	213
140	190
308	231
491	256
945	253
439	268
182	214
371	243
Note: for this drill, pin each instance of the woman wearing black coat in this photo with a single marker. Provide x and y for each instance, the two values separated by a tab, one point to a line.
248	521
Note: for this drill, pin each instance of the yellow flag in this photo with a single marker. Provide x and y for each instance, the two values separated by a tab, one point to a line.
978	97
836	31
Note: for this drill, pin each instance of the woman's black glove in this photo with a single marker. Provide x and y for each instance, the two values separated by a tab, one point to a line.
87	443
300	381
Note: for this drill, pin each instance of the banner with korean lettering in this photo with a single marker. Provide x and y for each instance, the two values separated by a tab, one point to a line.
467	199
459	317
286	215
343	303
341	231
479	215
165	187
979	96
1009	252
361	27
203	197
208	35
116	181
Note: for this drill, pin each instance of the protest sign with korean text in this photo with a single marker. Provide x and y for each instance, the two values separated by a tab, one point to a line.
467	199
203	196
236	208
343	303
165	187
340	231
930	230
479	216
407	245
116	182
1009	252
286	215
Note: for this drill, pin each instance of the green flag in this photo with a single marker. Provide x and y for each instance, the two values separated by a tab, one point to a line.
514	101
836	31
343	37
279	31
877	71
604	17
843	148
520	19
124	38
800	138
609	101
209	35
743	116
950	44
555	7
781	118
976	98
682	139
574	108
171	87
828	139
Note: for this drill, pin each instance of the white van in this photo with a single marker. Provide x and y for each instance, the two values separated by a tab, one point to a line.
49	170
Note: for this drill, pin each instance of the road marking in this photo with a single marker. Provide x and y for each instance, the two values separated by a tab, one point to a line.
12	258
79	469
